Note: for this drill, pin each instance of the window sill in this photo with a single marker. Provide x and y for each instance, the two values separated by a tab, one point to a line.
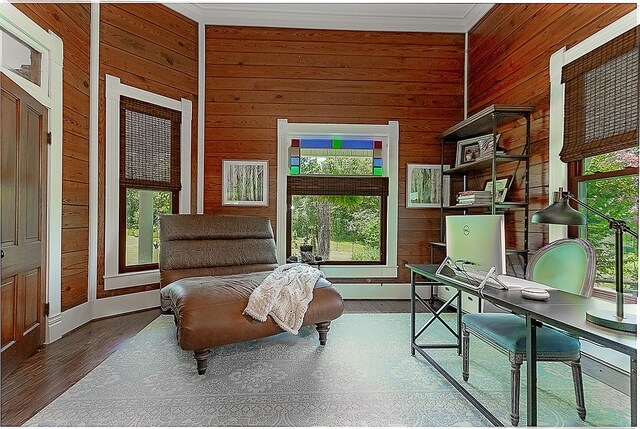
359	271
610	295
124	280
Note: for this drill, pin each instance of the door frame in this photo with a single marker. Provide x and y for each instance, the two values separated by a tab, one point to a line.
50	95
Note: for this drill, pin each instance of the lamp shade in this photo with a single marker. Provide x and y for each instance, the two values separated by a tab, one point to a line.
560	212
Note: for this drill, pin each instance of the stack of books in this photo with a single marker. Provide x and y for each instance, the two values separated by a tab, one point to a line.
466	198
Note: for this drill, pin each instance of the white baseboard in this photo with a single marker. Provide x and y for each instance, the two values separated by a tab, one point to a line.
75	317
379	290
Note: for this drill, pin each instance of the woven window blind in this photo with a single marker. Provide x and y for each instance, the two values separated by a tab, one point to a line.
338	185
601	99
149	146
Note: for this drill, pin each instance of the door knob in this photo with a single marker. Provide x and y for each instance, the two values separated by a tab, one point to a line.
1	254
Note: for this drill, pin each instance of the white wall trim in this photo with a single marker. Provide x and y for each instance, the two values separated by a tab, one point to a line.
380	290
50	95
389	134
94	79
475	14
201	108
104	307
114	90
421	18
558	169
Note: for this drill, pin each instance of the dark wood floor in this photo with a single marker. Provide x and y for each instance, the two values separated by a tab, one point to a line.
57	366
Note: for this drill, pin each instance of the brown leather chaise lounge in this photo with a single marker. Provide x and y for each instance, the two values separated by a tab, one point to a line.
209	265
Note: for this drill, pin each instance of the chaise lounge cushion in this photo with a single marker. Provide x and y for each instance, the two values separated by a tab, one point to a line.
209	309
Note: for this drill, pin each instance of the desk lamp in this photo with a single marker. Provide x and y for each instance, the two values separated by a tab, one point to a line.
560	212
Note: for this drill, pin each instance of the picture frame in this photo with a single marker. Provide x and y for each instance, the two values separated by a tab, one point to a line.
502	186
467	151
245	183
423	186
475	148
486	145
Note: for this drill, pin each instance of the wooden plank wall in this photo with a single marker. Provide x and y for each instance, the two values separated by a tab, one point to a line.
72	23
256	75
509	52
150	47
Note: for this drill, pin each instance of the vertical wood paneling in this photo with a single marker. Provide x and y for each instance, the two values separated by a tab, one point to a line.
509	56
72	23
151	47
255	76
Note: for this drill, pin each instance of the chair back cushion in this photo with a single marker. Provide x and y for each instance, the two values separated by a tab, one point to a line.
213	245
566	264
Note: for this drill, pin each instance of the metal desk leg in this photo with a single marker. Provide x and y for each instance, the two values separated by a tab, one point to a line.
532	373
413	312
634	391
459	317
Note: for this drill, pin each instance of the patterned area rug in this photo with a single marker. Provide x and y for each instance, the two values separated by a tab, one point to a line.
364	376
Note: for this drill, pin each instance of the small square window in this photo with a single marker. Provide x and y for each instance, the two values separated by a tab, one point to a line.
21	58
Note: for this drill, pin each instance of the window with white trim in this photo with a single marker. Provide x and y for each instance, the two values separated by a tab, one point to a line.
593	142
337	189
148	166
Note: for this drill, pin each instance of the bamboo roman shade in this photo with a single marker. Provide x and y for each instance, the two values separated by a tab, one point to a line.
601	99
149	146
338	185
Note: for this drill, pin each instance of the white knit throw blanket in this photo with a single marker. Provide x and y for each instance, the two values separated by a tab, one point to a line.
284	295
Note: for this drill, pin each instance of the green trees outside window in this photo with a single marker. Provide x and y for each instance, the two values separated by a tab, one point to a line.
617	196
339	227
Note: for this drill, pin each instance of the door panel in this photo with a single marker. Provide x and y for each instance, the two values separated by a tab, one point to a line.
32	305
32	172
8	297
9	167
23	171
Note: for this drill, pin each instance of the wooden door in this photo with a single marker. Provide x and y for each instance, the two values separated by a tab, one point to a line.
23	144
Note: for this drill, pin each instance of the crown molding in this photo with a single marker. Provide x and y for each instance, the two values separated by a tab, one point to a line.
314	17
476	13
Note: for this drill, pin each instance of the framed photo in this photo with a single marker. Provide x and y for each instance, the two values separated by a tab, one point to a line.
486	145
423	186
502	184
245	183
475	148
468	151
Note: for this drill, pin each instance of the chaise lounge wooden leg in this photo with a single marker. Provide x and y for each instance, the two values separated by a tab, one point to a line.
576	369
323	329
202	357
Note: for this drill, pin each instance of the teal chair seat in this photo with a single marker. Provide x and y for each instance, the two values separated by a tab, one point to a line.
567	264
509	332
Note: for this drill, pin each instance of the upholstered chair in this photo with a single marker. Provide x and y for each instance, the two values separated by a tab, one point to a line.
567	264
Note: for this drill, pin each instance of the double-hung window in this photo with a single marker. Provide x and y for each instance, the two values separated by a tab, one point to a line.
149	179
147	174
601	148
337	192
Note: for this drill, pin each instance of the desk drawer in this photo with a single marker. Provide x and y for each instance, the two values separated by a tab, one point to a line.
470	303
445	293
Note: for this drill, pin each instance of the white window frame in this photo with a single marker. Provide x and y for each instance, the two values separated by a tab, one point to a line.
557	169
389	134
114	90
49	94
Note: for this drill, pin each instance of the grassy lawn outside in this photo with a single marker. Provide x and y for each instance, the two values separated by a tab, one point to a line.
132	250
340	250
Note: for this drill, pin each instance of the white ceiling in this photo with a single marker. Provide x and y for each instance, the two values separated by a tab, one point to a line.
423	17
